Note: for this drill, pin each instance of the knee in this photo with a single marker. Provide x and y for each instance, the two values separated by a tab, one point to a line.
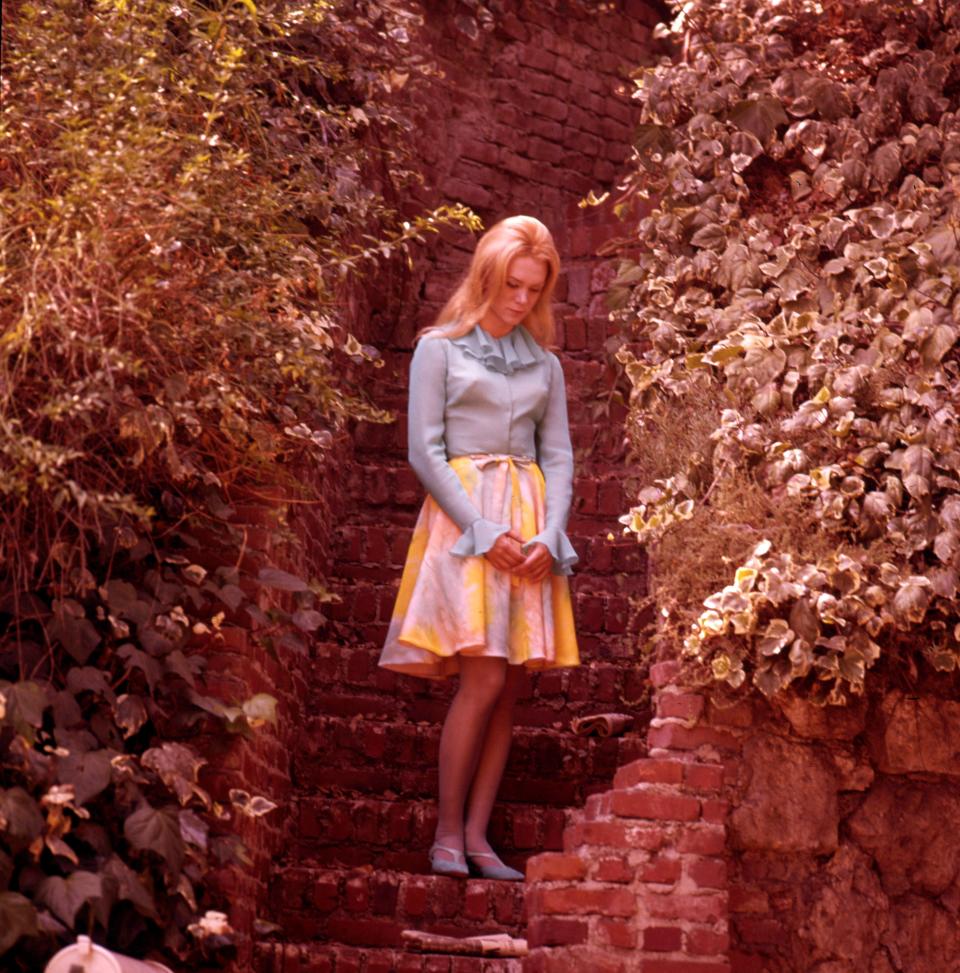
483	684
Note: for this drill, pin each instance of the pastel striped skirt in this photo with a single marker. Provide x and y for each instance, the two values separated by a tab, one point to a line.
449	606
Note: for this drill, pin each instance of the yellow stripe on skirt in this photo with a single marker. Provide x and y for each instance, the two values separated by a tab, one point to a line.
449	605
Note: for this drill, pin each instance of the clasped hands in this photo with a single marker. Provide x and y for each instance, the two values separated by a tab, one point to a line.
506	555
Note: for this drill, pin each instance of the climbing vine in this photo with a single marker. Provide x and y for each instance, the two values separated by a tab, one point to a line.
190	191
791	316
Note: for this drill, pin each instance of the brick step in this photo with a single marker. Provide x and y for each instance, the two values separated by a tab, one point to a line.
367	907
322	958
348	681
396	834
380	756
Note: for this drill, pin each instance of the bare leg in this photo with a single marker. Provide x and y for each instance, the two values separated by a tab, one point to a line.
492	761
481	685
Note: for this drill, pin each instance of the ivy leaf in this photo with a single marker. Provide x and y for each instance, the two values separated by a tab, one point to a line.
193	829
885	164
18	918
252	807
124	601
177	765
937	344
129	886
712	236
146	664
150	829
65	896
89	773
759	116
307	619
231	595
283	580
130	713
652	143
20	816
260	709
72	629
88	679
23	706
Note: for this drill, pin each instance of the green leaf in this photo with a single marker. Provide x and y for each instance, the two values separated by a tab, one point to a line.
20	816
307	619
87	679
651	141
149	829
178	766
129	886
72	629
65	896
260	709
124	601
18	918
130	713
283	580
24	703
146	664
90	773
759	116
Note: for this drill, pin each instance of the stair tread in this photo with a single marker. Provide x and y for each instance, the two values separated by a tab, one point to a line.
546	766
297	957
396	833
371	907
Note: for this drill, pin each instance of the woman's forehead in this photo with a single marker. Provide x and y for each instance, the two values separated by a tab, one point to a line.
528	269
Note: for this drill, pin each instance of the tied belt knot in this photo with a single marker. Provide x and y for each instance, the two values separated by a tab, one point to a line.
482	460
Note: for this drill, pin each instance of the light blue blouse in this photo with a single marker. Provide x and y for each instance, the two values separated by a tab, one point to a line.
480	394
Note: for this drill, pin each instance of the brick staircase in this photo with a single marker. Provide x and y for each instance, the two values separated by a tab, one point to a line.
356	872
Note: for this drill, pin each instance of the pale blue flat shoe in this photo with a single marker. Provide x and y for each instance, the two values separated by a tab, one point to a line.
495	869
455	868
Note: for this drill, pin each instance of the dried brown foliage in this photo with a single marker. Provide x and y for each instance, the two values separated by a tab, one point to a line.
188	192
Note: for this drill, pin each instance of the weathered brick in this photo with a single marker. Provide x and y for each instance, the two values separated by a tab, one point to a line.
684	706
663	939
710	873
676	736
586	900
649	804
556	931
622	935
649	771
707	942
661	871
551	867
613	870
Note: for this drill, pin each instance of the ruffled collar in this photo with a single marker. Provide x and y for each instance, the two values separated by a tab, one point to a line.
514	351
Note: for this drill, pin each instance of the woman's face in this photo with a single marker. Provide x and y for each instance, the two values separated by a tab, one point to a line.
524	283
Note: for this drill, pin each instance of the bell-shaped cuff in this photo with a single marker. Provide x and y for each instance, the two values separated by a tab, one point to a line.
478	538
559	546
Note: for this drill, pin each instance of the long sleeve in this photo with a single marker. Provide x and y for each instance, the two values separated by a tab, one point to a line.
555	458
427	451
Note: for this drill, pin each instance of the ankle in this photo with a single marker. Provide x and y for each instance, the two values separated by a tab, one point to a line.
449	839
476	844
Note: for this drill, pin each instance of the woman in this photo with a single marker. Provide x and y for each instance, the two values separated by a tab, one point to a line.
484	591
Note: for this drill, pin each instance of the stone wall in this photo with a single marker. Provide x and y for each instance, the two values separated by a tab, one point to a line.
843	852
838	855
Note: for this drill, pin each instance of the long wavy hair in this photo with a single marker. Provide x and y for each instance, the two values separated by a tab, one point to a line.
516	236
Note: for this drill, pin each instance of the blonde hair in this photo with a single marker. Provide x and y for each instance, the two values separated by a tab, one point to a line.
516	236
